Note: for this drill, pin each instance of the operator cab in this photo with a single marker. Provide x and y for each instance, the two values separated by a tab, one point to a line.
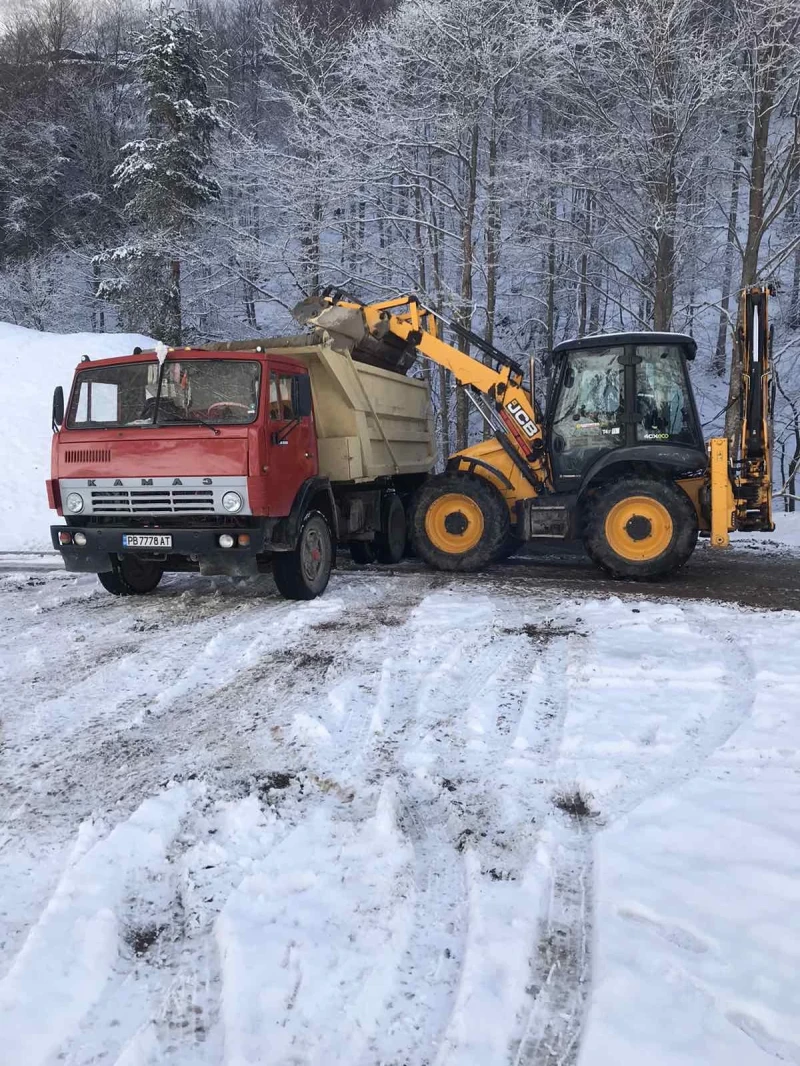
620	391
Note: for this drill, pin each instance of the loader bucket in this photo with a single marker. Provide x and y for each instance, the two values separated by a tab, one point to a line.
346	329
343	323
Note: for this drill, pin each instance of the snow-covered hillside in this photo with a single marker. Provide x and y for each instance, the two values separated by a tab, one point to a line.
32	363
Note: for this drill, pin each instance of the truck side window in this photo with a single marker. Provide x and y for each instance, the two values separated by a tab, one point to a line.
281	397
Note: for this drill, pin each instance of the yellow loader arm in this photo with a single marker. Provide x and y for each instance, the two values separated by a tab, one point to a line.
496	390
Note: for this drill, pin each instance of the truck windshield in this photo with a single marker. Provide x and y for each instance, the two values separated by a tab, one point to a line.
219	391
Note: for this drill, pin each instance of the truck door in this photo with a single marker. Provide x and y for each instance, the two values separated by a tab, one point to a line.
291	437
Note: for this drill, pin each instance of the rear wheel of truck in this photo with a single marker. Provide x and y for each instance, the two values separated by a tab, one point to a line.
640	528
460	522
390	543
362	552
303	574
131	577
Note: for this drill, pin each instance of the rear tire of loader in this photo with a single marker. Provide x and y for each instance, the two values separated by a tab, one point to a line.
131	577
512	545
390	543
303	574
460	522
640	528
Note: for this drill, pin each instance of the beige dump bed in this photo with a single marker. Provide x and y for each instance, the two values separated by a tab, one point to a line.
370	422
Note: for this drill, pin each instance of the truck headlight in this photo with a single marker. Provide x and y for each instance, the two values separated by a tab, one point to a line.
232	502
74	502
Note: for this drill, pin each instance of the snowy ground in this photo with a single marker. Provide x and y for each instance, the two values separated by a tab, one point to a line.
238	830
32	363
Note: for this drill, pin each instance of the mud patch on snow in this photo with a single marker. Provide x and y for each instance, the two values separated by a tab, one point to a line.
577	804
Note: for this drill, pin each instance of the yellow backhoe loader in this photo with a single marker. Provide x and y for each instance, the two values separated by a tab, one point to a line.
617	459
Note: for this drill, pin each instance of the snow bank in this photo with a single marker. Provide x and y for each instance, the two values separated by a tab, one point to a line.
31	365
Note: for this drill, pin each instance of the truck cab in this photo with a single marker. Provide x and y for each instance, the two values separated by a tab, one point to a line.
187	462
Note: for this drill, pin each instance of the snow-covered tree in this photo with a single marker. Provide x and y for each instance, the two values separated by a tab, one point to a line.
163	176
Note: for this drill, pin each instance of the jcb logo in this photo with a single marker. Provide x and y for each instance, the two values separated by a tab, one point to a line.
527	425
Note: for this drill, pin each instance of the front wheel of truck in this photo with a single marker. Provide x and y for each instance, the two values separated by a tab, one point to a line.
131	577
303	574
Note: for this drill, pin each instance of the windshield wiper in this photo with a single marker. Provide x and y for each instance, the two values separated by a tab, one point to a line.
189	421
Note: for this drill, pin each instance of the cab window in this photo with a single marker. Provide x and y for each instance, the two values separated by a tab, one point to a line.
663	404
589	418
282	397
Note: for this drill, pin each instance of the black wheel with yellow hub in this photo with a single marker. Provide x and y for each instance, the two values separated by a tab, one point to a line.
460	522
640	528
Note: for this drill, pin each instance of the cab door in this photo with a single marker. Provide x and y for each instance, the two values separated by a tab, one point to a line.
589	418
291	437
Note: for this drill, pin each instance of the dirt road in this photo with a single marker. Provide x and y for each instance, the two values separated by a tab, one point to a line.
761	575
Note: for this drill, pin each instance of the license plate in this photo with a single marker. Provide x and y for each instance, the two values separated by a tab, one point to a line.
146	540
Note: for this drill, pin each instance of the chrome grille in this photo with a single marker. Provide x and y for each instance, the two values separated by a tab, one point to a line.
152	501
179	495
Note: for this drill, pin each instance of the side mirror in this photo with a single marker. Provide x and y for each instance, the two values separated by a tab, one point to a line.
303	409
58	408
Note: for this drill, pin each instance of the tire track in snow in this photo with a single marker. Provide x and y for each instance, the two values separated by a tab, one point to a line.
442	716
549	1028
560	976
161	1002
425	979
72	951
561	965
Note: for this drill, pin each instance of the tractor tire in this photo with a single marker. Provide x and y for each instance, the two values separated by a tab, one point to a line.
512	545
640	528
460	522
131	577
303	574
362	552
390	543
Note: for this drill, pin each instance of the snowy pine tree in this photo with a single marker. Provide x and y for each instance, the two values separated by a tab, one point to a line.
162	176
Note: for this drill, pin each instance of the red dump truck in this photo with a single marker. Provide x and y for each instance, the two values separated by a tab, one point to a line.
235	459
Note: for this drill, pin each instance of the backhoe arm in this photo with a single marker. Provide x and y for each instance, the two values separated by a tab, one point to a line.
753	474
741	471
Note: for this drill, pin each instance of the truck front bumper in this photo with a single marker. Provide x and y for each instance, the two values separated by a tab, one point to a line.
191	549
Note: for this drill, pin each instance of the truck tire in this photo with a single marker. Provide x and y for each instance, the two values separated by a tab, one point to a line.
460	522
640	528
303	574
131	577
390	543
362	552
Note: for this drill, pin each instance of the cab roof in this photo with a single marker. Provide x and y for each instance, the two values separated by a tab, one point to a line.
148	355
611	340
